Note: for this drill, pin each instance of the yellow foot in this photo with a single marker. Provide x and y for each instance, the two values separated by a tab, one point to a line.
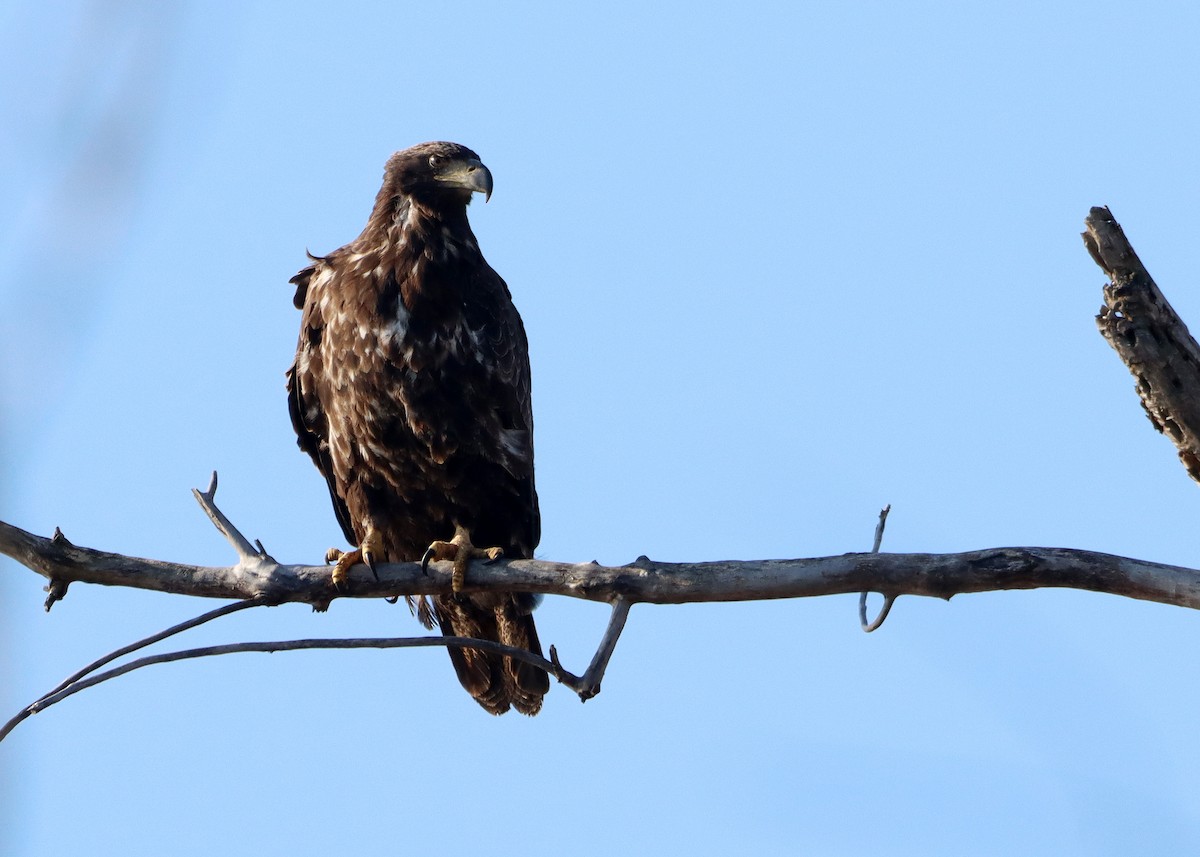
344	562
461	551
368	552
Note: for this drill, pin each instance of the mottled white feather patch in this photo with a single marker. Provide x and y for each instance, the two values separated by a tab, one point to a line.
514	441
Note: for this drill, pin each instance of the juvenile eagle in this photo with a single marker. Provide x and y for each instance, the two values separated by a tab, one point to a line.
410	390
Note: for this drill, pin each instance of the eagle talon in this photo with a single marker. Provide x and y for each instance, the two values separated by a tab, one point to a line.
372	550
341	569
460	550
366	553
369	559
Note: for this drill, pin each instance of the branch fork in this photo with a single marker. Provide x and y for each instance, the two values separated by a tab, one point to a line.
254	562
588	685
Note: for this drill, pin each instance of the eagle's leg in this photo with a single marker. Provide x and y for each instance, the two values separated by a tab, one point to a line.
461	551
368	553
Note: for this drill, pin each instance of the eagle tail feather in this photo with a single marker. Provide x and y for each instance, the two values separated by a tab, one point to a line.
496	682
515	626
480	673
419	606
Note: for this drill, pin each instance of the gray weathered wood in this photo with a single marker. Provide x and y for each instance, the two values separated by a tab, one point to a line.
1150	338
644	581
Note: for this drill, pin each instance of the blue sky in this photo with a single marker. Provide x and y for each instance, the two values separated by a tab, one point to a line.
780	265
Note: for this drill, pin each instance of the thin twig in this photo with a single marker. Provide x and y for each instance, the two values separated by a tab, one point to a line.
241	544
74	678
588	685
616	624
883	516
257	601
888	600
276	646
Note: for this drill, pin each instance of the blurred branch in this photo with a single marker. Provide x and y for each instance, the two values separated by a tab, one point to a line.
1150	337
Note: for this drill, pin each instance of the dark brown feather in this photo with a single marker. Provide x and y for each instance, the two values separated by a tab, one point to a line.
410	390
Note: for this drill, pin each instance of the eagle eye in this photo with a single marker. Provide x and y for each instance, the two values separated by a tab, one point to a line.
435	161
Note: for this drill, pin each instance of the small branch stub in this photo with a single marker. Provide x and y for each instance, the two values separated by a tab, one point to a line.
56	590
207	501
888	600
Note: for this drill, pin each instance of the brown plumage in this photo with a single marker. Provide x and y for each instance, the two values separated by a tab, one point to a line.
410	390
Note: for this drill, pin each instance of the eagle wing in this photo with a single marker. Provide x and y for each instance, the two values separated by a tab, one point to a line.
503	348
304	404
505	425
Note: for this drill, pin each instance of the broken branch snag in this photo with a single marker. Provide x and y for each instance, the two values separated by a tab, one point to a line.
1149	337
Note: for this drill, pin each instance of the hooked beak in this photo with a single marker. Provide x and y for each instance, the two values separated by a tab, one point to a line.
470	175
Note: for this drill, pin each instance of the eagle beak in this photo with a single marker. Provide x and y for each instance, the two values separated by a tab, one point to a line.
479	179
471	175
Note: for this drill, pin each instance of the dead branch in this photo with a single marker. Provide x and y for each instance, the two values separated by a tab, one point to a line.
257	579
643	581
1149	337
260	580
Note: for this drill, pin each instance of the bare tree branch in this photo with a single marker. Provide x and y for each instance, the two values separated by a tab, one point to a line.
258	579
1150	338
644	581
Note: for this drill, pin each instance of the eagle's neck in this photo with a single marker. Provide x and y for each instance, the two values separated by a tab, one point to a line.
424	252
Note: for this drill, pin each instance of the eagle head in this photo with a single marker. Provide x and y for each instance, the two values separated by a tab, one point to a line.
438	174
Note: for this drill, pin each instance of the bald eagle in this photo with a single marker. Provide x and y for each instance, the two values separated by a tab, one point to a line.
410	390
